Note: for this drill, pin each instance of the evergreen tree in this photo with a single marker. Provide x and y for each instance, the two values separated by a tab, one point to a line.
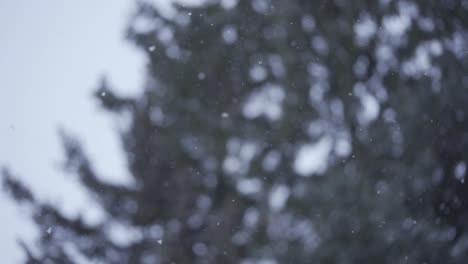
283	132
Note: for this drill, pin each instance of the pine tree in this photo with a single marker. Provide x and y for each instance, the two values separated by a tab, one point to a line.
281	132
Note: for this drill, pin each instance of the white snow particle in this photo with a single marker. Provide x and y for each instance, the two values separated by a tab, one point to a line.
313	158
258	73
201	76
200	249
229	34
460	170
278	197
228	4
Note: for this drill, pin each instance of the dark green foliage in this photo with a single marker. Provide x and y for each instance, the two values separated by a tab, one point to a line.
232	96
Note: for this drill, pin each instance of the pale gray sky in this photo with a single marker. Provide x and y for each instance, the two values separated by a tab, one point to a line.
52	53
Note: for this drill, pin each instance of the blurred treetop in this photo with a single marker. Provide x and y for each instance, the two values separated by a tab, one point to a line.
280	131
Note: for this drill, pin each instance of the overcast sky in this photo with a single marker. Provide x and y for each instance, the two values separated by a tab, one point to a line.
52	53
